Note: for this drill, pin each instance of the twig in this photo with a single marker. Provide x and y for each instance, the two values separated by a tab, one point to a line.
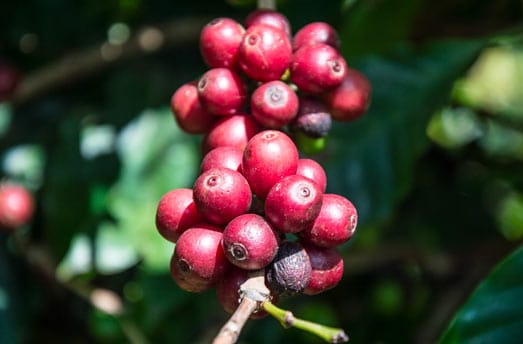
287	320
269	4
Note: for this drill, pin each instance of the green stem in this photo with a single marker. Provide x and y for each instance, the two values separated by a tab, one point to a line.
287	320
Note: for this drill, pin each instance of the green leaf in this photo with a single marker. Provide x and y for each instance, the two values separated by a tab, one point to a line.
372	160
494	312
454	127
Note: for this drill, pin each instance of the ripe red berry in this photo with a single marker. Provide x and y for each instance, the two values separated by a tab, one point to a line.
327	268
318	68
235	131
198	261
176	212
222	92
16	206
269	17
221	194
265	53
228	157
269	157
335	223
314	33
220	41
274	104
250	242
188	111
9	79
313	119
351	99
311	169
293	203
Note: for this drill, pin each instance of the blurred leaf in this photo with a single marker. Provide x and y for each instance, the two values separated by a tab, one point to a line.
510	216
387	297
372	160
453	128
5	117
502	141
494	312
25	163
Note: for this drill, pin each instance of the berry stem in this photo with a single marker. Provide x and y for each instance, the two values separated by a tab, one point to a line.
269	4
288	320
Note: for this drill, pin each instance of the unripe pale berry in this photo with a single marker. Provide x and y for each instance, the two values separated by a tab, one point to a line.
16	206
314	33
269	17
293	203
222	92
327	268
198	261
274	104
188	112
318	68
250	242
235	131
228	157
269	157
220	41
313	170
351	99
221	194
335	223
265	53
176	212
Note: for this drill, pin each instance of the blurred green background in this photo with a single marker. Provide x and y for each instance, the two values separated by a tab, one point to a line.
435	170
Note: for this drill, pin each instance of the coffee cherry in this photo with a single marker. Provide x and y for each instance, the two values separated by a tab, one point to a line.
227	291
318	68
235	131
228	157
9	79
198	261
290	271
335	223
221	194
265	53
314	33
188	111
220	41
313	170
351	99
175	213
327	268
222	92
293	203
274	104
269	157
16	206
250	242
313	119
269	17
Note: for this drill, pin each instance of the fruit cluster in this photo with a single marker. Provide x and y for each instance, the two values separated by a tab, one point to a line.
256	205
261	77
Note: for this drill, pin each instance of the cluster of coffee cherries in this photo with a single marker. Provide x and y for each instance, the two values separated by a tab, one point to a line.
256	205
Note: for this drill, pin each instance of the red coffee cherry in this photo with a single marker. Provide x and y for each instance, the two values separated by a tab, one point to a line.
198	261
222	92
250	242
176	212
269	17
9	79
269	157
311	169
314	33
327	268
220	41
293	203
351	99
235	131
313	119
335	223
16	206
265	53
228	157
274	104
221	194
290	271
318	68
188	112
228	289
